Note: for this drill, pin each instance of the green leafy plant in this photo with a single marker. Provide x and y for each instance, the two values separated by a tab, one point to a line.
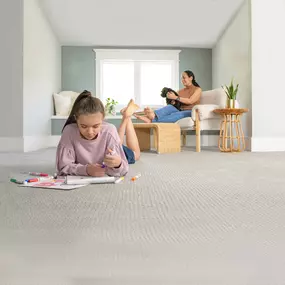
110	105
231	90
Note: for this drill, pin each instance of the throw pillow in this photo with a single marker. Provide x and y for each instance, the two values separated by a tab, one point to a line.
62	104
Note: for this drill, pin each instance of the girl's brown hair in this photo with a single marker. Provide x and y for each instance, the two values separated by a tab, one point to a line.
83	105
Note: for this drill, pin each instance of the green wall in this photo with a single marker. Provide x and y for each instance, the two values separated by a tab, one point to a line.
78	66
78	71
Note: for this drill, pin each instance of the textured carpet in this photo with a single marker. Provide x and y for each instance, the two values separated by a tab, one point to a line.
192	218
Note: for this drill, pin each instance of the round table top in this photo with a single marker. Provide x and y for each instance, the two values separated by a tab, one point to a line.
231	111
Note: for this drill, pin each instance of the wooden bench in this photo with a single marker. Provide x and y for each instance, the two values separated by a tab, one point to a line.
167	136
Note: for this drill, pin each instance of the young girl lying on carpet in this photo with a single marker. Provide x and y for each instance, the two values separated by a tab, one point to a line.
90	146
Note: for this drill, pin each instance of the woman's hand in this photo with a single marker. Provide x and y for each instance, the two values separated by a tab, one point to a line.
95	170
171	95
112	160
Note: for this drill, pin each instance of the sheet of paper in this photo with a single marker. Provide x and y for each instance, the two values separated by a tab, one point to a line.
56	184
89	180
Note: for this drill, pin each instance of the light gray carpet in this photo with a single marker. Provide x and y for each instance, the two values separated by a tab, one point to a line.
192	218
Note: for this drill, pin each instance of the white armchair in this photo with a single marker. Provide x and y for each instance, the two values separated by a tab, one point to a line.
203	117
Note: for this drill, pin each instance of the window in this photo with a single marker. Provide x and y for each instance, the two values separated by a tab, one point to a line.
153	77
137	74
117	81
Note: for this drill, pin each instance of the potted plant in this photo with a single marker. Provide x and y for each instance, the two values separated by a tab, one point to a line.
231	92
110	106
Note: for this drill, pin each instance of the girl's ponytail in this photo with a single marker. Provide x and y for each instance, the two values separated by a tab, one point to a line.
71	118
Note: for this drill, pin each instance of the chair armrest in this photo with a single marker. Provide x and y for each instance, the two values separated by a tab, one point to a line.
205	111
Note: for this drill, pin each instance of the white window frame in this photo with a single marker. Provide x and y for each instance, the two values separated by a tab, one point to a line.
136	55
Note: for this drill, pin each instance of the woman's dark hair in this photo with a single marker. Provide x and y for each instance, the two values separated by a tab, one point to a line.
83	105
191	74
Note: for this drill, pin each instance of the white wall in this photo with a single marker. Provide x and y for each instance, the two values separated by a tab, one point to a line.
232	59
42	76
268	61
11	75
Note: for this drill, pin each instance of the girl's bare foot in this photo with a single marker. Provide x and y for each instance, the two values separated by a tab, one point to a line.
143	118
130	109
123	110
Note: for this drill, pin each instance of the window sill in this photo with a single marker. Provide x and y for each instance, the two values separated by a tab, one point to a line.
65	117
118	116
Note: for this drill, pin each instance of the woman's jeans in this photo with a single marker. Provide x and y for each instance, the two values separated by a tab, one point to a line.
169	114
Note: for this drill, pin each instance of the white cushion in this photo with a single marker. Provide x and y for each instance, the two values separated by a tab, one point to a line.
62	104
205	112
210	100
73	95
64	101
186	123
215	96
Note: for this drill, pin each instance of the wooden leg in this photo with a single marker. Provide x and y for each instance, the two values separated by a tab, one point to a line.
237	132
198	133
225	144
143	138
231	134
184	133
155	133
167	138
221	137
241	135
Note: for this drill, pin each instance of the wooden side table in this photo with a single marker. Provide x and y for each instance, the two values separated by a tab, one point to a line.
167	136
231	137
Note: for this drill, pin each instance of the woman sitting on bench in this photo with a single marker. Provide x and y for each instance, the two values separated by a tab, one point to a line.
188	96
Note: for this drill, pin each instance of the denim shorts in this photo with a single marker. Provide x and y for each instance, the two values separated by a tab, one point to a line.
130	155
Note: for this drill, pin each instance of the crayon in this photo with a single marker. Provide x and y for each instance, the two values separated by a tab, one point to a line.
17	181
136	177
38	174
39	179
120	179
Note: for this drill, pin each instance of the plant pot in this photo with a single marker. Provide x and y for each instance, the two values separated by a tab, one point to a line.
230	103
112	110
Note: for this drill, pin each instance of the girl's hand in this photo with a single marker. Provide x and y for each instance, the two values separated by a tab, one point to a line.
171	95
95	170
112	160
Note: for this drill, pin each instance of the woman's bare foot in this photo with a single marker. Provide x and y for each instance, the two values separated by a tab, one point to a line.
149	113
143	118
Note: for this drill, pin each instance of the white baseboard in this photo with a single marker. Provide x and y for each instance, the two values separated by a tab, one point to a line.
11	144
28	143
267	144
247	143
32	143
54	140
211	140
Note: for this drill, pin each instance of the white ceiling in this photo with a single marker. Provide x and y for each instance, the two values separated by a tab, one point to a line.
144	23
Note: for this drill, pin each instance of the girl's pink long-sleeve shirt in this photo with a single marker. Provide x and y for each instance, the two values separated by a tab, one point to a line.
74	153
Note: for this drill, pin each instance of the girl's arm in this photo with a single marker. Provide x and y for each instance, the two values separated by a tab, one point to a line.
65	156
65	162
115	145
